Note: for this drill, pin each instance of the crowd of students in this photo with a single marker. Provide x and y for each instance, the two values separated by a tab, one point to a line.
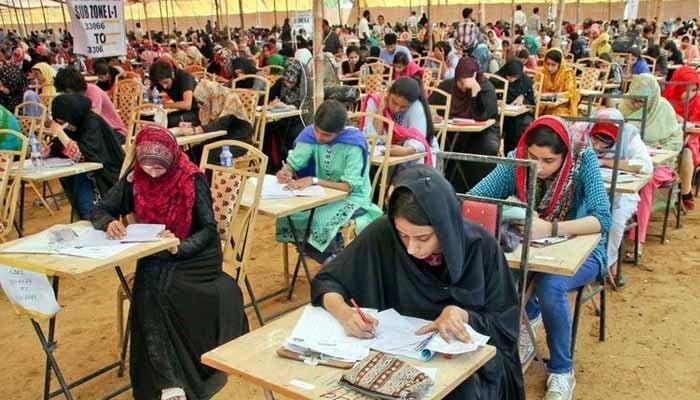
454	271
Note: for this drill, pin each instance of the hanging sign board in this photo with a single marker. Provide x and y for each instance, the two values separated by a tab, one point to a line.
98	27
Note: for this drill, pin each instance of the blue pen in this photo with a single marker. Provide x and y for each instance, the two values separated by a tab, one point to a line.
423	344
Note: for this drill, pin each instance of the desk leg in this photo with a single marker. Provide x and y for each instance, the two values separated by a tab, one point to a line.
20	228
458	165
526	294
300	248
127	330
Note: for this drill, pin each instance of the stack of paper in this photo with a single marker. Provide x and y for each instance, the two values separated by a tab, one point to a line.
52	162
272	189
622	176
135	233
395	334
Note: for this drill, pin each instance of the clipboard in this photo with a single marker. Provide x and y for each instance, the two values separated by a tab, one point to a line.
312	359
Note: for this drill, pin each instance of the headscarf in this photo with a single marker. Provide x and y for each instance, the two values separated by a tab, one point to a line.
12	78
521	86
194	56
168	199
675	93
216	101
661	127
461	105
412	69
71	108
559	191
561	81
350	136
48	73
483	56
304	56
19	56
530	44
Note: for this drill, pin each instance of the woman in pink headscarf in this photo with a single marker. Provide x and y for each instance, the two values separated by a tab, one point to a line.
19	57
405	67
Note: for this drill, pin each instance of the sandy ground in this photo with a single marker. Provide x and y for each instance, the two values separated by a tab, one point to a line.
651	350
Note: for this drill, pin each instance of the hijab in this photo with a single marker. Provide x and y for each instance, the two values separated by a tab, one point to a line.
216	101
48	73
19	57
12	78
661	126
675	94
194	56
558	190
521	86
461	105
483	56
556	82
71	108
168	199
304	56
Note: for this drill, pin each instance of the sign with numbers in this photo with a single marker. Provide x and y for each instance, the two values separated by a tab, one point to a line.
98	27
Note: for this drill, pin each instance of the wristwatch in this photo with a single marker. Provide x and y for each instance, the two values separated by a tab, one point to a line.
314	181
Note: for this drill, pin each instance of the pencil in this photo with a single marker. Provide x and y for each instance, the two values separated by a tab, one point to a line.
359	311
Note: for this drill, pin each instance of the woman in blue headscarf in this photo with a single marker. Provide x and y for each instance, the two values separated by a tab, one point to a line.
487	62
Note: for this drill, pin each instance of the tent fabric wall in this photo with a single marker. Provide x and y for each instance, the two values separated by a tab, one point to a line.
195	12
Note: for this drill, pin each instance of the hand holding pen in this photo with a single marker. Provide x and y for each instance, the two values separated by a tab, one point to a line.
358	324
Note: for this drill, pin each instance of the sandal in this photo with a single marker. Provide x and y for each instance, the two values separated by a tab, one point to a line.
629	256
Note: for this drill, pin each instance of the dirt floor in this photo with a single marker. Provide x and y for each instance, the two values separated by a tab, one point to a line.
651	351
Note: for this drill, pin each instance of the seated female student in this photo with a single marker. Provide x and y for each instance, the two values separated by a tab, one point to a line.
559	79
529	61
639	65
634	157
570	200
179	85
661	130
678	95
413	126
84	137
661	67
351	67
244	66
674	56
219	109
44	74
403	67
473	97
520	92
424	260
183	304
106	76
328	154
9	121
443	52
690	51
13	86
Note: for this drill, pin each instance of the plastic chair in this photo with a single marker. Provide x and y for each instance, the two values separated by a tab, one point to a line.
127	96
482	214
10	181
263	98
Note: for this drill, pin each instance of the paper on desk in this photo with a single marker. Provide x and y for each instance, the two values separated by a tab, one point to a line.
622	176
52	162
135	233
97	252
272	189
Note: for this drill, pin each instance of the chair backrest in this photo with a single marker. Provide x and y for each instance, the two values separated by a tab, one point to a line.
651	62
481	213
370	60
127	96
46	100
442	110
433	68
249	98
31	123
194	68
589	77
502	95
136	121
10	181
232	187
272	72
374	77
380	178
263	97
537	84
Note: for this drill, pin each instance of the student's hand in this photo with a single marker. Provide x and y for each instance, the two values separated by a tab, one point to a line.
116	230
541	228
354	325
45	150
449	324
605	162
166	234
298	184
518	101
284	175
398	150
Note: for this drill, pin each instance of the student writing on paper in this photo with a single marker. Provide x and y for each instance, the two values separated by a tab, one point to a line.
634	157
520	92
86	137
183	303
425	261
328	154
179	85
570	199
9	121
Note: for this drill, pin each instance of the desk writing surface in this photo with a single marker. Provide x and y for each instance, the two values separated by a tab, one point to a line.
278	208
47	174
661	156
396	160
476	127
563	258
63	265
253	358
511	111
274	116
633	186
198	138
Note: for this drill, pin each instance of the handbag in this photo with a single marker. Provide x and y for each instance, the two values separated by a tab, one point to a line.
382	376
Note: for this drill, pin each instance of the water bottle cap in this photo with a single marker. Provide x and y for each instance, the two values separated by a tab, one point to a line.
225	148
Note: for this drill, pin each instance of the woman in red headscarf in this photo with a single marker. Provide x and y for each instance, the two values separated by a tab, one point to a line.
681	93
183	304
570	199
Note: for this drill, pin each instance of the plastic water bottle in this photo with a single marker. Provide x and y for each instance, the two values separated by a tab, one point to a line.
144	93
156	96
226	157
35	151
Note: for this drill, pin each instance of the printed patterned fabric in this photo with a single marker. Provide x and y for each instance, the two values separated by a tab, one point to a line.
383	376
225	187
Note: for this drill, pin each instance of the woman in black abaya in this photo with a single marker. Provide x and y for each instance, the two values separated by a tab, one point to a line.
425	261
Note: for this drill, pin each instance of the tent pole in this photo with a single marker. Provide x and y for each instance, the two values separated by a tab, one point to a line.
228	22
172	10
240	14
167	18
659	21
43	14
63	14
340	15
29	12
286	7
19	23
560	18
160	8
145	15
317	6
430	31
24	20
131	13
274	11
512	16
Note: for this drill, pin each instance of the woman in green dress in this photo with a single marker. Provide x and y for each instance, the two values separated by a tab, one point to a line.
327	153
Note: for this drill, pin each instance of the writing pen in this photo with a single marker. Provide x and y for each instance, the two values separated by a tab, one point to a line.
424	343
359	311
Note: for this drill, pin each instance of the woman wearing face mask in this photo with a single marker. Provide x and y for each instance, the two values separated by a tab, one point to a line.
559	79
85	137
413	127
520	92
686	92
183	304
351	67
424	260
473	97
570	199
